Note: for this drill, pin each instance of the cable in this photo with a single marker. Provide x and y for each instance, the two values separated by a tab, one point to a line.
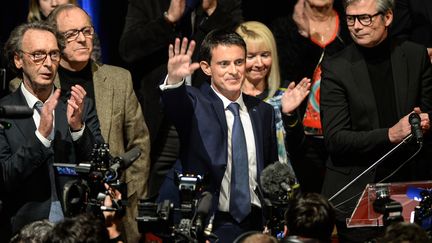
374	166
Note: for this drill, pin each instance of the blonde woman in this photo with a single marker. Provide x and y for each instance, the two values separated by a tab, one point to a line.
263	81
40	9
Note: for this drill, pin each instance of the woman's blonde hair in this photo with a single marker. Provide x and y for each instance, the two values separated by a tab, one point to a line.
257	31
35	14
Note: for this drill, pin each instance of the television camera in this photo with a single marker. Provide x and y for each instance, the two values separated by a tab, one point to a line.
87	192
183	223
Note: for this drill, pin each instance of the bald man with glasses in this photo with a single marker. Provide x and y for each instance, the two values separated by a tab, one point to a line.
58	132
368	91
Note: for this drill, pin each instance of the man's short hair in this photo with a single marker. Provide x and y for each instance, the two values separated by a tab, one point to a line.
219	37
82	228
35	232
404	232
312	216
14	44
52	17
383	6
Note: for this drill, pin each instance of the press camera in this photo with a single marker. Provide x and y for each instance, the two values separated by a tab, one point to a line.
87	192
183	223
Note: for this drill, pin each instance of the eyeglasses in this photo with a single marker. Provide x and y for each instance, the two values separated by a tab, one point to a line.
38	57
72	35
364	19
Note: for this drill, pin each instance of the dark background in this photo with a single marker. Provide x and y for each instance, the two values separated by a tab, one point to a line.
109	16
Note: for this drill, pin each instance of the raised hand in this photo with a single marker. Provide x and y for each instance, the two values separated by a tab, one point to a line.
46	114
294	95
75	107
179	60
301	19
175	10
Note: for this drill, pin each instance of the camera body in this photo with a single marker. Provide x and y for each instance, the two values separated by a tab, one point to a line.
87	192
173	224
389	208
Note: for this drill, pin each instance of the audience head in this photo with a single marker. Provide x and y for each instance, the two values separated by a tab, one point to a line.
310	216
368	20
404	232
82	228
255	237
33	51
262	64
40	9
222	56
35	232
76	26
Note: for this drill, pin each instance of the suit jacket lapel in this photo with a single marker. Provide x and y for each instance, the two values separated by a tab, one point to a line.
218	107
258	132
104	96
401	79
27	125
363	82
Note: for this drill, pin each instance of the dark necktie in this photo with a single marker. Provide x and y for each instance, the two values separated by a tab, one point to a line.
56	212
240	200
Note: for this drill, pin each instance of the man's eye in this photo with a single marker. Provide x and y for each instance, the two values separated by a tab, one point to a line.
38	55
363	17
239	62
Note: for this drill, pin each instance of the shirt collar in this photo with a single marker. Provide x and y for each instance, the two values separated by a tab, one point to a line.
226	101
29	97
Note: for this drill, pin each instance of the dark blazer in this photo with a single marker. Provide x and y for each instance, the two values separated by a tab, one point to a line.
352	133
24	161
199	117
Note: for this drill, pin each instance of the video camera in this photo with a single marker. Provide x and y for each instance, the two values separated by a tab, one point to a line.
389	208
87	192
423	211
177	224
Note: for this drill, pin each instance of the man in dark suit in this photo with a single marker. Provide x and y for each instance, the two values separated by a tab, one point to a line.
162	21
59	131
207	128
367	94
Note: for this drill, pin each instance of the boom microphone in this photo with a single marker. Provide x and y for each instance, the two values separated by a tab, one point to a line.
122	162
278	182
15	111
415	121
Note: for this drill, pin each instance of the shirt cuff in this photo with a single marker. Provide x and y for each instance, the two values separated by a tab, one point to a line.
78	134
165	86
45	141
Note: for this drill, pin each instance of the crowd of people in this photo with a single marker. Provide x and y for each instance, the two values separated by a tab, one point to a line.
326	90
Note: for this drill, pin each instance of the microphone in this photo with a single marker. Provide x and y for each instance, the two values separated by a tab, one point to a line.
15	111
203	208
121	163
415	121
278	182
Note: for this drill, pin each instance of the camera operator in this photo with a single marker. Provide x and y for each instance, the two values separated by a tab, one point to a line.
88	227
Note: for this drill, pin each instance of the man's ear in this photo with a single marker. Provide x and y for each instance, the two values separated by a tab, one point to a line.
205	67
388	18
18	61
